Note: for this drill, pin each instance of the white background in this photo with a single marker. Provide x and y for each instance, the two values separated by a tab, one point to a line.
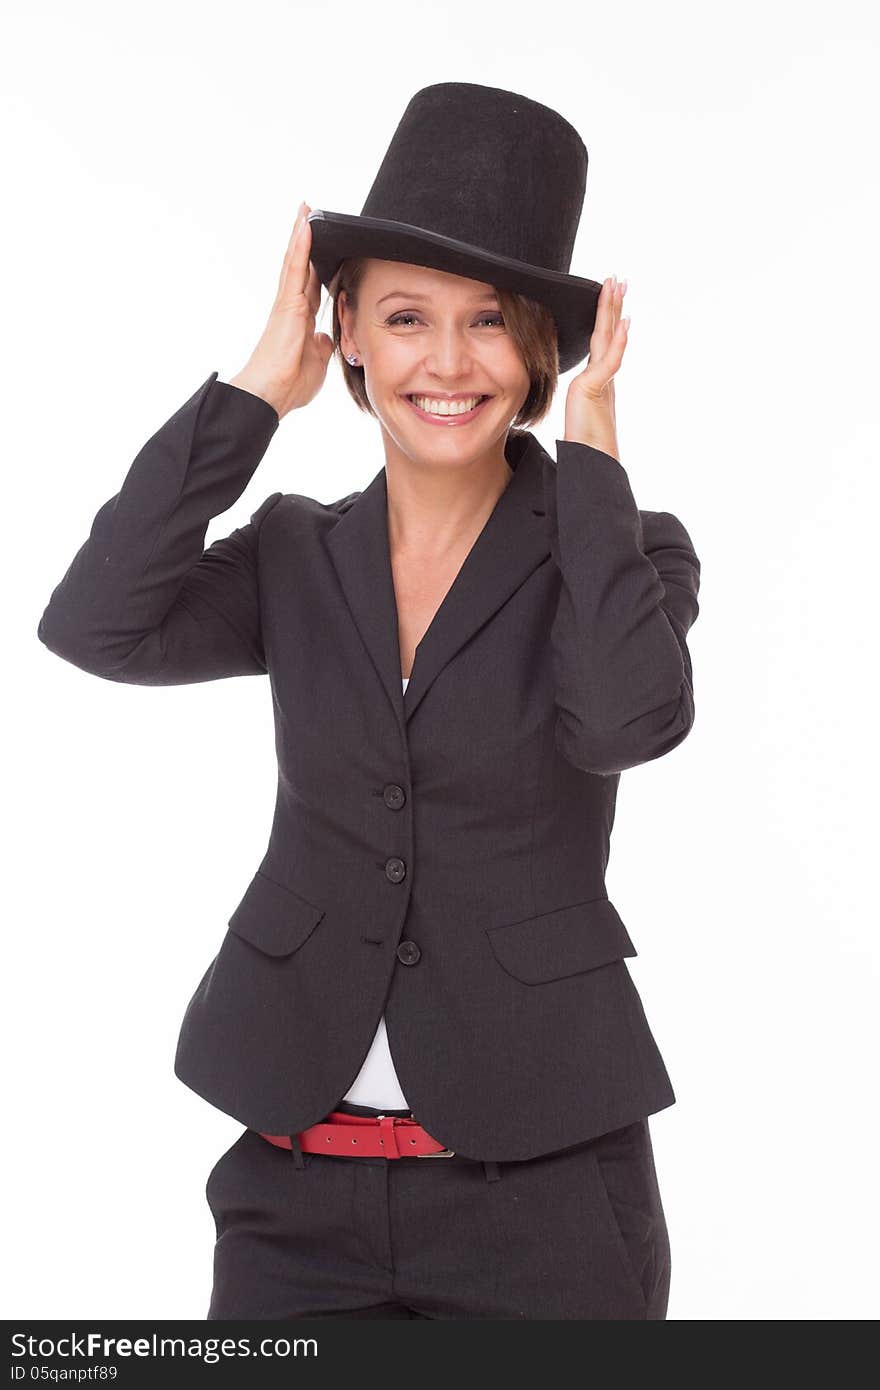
154	158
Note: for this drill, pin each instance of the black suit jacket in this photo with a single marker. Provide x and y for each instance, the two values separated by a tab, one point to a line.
439	854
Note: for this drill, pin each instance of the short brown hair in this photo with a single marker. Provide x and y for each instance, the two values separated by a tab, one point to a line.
530	324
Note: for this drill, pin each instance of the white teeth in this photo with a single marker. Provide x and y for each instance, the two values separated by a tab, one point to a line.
435	407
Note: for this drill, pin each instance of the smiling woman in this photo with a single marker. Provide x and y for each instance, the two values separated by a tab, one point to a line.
530	325
463	656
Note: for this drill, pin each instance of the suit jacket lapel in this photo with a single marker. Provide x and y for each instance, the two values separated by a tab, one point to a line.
513	542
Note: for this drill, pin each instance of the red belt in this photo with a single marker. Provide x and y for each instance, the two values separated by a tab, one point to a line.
365	1136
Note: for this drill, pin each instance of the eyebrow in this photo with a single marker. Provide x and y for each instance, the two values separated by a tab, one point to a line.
408	294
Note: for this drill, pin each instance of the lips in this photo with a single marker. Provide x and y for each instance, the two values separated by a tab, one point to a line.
447	420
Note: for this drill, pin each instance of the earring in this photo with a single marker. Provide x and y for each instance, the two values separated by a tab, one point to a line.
352	360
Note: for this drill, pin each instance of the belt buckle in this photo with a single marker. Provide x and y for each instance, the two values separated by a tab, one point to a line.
441	1153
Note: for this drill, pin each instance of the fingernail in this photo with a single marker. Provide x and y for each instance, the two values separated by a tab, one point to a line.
613	282
623	285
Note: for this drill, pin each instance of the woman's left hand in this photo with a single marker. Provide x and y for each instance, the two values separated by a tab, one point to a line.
589	406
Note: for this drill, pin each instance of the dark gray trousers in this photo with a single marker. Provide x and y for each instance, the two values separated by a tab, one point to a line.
576	1234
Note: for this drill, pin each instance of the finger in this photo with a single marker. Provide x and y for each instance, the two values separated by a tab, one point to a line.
617	326
621	325
602	310
602	329
314	291
294	271
614	356
324	344
298	279
602	366
288	249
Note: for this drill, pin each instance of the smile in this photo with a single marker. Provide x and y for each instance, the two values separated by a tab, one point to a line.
437	412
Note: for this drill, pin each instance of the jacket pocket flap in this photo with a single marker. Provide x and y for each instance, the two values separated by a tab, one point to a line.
274	918
563	942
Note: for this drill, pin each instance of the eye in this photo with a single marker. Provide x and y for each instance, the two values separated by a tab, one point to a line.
494	320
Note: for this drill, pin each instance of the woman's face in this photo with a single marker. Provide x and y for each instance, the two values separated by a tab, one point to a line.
432	343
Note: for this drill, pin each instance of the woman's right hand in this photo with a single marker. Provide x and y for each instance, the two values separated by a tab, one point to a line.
288	365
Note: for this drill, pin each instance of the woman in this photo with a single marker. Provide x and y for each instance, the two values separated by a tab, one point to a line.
463	657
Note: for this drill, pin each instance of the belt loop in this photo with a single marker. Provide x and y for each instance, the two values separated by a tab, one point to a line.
296	1151
386	1132
490	1168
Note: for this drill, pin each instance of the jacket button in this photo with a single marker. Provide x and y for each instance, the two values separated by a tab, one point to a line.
395	869
394	796
408	952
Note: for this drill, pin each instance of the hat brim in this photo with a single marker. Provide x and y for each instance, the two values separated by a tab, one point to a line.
572	300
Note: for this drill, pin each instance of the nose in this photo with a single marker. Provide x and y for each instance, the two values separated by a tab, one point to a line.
449	358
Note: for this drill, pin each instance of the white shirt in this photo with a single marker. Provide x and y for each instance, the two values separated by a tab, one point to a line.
377	1083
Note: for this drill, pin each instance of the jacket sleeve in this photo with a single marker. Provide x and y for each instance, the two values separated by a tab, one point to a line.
143	602
630	580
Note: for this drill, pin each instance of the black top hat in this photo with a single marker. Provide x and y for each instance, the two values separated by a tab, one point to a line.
484	183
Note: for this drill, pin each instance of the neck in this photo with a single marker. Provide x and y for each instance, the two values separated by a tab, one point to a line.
433	509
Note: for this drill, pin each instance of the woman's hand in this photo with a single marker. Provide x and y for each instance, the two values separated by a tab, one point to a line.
288	365
589	405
